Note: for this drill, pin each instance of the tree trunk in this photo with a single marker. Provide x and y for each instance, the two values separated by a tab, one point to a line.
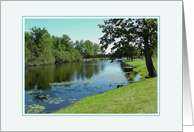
148	58
131	58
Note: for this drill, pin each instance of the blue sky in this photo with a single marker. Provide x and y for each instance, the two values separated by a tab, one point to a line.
76	29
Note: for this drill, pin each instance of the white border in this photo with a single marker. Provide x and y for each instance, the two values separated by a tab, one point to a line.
170	13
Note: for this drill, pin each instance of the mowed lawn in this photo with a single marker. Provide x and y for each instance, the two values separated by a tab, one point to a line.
135	98
140	66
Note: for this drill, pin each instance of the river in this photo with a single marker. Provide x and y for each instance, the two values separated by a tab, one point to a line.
52	87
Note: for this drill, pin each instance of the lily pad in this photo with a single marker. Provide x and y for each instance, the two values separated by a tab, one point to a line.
34	109
55	100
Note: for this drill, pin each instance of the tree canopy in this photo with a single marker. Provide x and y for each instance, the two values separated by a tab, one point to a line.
130	36
42	48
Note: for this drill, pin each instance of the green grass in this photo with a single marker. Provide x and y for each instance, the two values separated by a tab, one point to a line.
135	98
140	66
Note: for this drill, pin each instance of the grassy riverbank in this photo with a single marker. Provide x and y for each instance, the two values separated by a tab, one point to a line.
139	97
140	66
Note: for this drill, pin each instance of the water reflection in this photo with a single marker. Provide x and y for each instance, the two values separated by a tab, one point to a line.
131	75
40	77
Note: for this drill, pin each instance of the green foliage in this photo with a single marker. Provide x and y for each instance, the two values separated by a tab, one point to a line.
42	49
127	51
87	47
96	49
76	55
124	32
80	46
139	33
65	56
61	56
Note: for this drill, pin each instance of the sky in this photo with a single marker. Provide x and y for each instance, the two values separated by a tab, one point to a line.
76	29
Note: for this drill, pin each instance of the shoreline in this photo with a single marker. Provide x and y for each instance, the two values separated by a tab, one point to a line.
133	98
87	60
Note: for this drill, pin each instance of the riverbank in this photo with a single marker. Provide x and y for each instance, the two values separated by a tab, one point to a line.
140	66
35	65
96	59
135	98
81	60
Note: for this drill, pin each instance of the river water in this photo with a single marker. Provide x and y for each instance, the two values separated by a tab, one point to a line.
52	87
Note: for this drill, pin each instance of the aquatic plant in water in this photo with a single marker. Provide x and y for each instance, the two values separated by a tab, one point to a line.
55	100
73	82
34	92
72	100
34	109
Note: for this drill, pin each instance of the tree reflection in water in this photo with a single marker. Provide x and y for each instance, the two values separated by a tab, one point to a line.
42	76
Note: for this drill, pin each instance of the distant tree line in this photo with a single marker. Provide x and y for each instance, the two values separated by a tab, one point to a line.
41	48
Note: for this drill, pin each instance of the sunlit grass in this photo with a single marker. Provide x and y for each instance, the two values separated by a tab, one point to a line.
140	66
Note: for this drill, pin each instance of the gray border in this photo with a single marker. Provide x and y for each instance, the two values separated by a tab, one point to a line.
188	48
185	128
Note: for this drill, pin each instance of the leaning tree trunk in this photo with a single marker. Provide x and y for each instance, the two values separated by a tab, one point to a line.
148	58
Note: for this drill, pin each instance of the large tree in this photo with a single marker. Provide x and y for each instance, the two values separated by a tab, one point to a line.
42	39
80	46
96	49
137	32
89	48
